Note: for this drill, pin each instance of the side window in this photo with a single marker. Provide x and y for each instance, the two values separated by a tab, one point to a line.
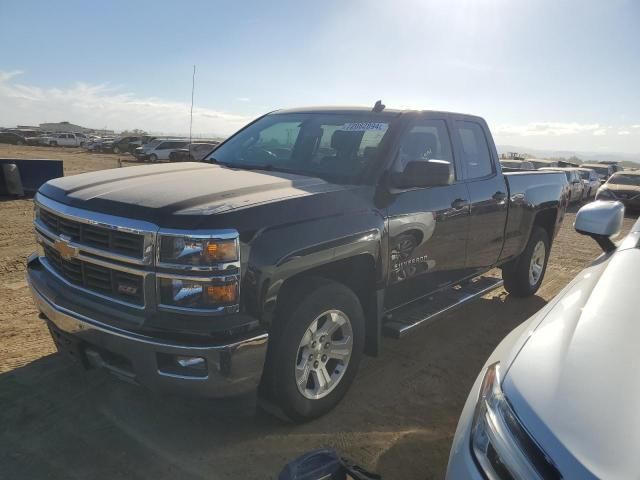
426	140
476	158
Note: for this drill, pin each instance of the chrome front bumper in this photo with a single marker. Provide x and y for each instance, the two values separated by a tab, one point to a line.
229	369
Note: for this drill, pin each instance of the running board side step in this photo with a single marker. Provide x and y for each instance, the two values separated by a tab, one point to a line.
428	309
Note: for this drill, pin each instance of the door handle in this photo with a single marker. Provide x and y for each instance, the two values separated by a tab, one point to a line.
499	196
459	204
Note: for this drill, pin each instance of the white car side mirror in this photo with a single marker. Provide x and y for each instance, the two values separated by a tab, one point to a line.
600	220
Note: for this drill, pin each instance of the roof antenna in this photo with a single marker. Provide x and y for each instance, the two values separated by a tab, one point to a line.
378	107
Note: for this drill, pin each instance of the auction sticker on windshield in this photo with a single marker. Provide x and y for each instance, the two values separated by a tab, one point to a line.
364	127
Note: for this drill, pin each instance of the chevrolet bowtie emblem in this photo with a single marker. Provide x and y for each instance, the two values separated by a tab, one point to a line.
65	249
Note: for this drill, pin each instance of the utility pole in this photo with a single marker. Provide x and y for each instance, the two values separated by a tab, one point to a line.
193	87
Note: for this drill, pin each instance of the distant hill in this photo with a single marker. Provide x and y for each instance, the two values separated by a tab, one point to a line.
626	160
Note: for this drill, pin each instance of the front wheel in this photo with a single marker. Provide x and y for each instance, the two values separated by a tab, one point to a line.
523	275
315	349
116	149
153	158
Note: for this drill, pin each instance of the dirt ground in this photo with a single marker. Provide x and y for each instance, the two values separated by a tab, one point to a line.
398	418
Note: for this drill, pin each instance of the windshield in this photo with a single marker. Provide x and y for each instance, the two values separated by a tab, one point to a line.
538	164
152	144
511	163
335	146
621	179
600	170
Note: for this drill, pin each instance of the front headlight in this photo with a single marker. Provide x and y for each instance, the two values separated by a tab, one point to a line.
501	446
200	294
197	251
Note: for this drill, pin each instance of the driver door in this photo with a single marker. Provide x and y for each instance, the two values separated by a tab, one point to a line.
428	227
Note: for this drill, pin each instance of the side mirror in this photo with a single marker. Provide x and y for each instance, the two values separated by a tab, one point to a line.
431	173
600	220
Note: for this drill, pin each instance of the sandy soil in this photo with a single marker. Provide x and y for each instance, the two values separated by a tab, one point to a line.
398	419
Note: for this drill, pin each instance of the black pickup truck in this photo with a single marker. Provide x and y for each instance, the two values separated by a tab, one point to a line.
288	253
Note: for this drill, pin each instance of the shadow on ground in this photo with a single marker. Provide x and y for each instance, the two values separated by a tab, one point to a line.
62	422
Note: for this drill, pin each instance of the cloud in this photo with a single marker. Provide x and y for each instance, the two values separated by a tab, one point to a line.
600	132
624	132
635	126
242	99
97	106
4	76
547	129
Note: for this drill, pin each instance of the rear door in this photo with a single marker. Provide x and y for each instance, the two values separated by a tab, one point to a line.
427	226
487	191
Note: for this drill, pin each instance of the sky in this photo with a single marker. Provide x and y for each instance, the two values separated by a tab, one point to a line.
546	74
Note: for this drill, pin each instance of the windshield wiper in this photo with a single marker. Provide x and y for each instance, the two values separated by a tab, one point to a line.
268	168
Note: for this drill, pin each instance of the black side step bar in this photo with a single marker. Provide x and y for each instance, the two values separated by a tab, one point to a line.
426	310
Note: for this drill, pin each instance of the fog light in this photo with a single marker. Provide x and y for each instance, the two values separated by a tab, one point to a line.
192	362
182	366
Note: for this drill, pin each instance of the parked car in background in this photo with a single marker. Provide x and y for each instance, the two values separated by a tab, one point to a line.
615	165
160	150
566	164
62	140
128	144
558	398
541	163
623	187
193	152
513	165
603	171
590	181
576	187
12	138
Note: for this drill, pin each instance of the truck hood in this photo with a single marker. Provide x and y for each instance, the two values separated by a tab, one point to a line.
574	384
164	193
631	190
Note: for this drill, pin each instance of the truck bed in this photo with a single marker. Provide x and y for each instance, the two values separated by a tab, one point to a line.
529	193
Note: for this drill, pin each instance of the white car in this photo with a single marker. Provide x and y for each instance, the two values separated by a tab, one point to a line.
64	140
159	149
559	396
590	181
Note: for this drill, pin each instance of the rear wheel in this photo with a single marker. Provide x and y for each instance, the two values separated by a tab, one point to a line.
116	149
53	144
523	276
315	349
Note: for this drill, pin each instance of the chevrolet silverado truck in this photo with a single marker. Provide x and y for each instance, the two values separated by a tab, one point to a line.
288	253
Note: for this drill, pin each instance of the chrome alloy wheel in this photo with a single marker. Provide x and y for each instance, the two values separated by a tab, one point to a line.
537	263
323	354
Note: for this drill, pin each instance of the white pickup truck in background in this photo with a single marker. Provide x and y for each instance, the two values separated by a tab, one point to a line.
64	140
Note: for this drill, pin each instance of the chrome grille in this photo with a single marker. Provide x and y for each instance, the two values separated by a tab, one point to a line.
116	284
123	243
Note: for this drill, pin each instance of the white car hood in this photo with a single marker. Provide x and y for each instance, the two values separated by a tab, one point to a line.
575	384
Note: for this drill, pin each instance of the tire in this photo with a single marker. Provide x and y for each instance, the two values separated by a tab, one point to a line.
53	144
116	149
521	279
153	158
295	354
19	142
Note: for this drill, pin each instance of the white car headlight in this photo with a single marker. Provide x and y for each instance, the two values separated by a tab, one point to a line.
501	446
